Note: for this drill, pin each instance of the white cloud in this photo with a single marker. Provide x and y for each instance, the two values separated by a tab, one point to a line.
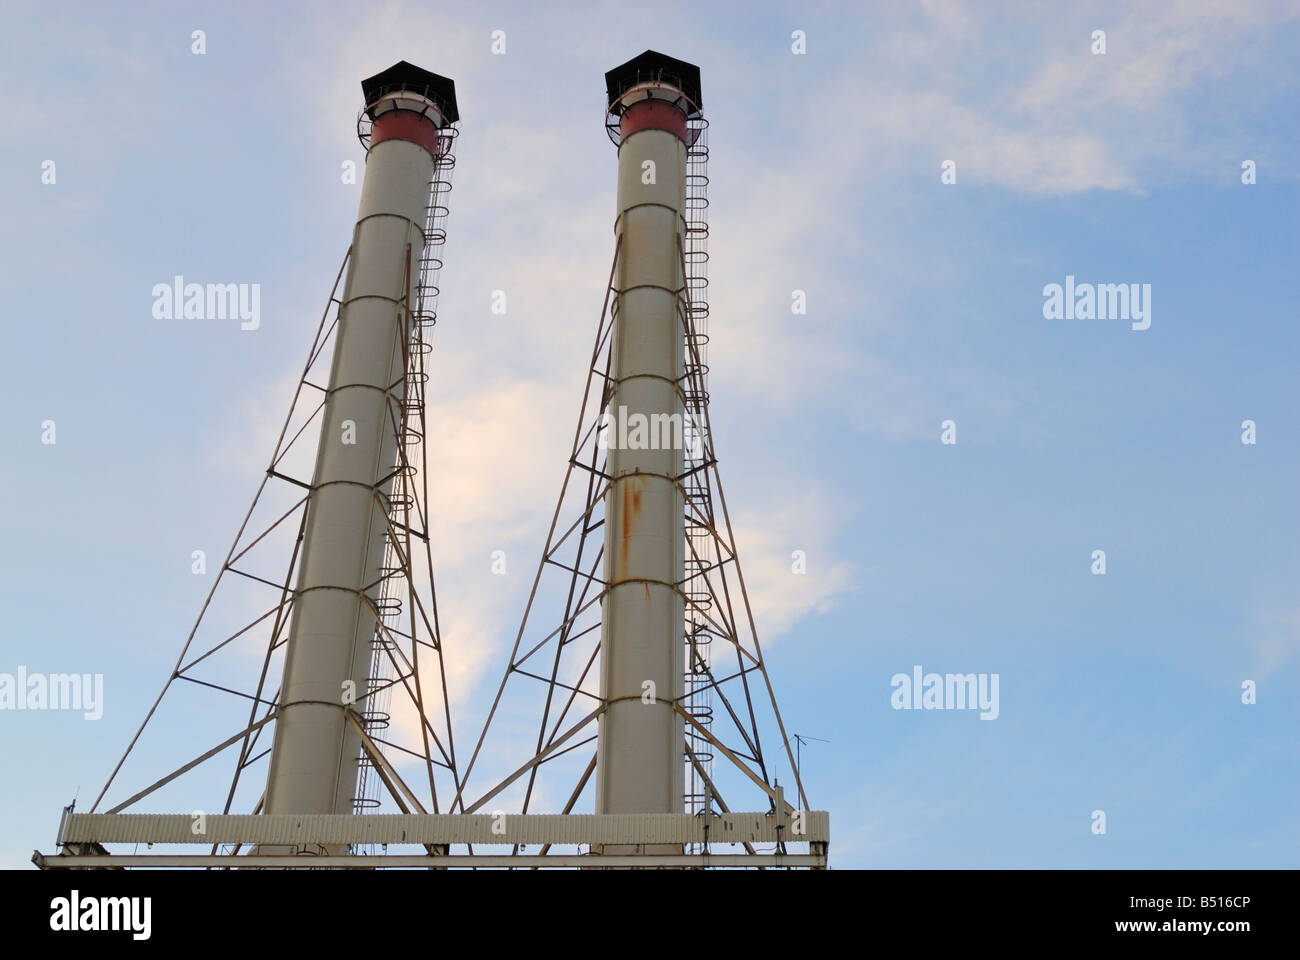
505	389
1275	640
766	541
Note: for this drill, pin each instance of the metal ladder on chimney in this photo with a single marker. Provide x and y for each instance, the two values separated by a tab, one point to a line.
375	717
701	553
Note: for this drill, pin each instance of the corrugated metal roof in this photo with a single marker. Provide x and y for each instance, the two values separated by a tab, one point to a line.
442	828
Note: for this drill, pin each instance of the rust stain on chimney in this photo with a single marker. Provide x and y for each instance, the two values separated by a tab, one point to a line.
632	490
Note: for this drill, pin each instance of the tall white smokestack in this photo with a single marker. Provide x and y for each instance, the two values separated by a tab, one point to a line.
314	759
639	766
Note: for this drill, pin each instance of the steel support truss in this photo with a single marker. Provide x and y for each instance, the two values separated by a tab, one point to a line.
562	656
728	692
401	604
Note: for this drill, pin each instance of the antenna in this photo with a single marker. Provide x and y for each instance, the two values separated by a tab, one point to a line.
799	740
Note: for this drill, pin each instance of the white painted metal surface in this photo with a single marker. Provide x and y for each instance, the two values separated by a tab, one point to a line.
313	767
639	765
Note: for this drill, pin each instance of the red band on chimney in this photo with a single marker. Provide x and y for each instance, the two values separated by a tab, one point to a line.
405	125
653	115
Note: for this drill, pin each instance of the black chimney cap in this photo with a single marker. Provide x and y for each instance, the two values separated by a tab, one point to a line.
653	66
407	76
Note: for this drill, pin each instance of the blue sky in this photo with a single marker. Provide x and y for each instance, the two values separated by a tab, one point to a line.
1119	692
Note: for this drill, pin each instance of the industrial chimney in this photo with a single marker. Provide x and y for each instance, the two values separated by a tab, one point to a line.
640	754
314	759
668	573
